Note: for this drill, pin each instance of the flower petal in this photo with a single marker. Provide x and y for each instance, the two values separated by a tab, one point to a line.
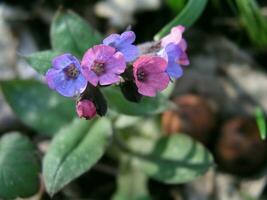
98	52
107	79
62	61
67	88
146	90
151	64
183	44
184	60
116	64
174	37
158	81
174	70
80	83
91	77
130	52
54	77
127	37
173	52
111	39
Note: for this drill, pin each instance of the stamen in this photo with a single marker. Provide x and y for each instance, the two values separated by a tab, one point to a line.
98	67
72	71
141	75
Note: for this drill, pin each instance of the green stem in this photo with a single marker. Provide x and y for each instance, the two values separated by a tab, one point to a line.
187	17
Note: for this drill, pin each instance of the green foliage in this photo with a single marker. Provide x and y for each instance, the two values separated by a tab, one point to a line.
147	105
254	22
187	17
19	167
38	106
70	33
131	182
260	119
73	151
79	145
176	5
41	61
174	159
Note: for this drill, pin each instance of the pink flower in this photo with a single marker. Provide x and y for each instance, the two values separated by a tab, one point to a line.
102	64
86	109
150	74
176	37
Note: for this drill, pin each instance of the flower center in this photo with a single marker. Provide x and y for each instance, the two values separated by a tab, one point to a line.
141	75
72	71
98	67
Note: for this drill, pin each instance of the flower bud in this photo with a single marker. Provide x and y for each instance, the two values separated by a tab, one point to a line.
86	109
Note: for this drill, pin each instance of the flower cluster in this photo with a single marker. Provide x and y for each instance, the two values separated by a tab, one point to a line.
106	63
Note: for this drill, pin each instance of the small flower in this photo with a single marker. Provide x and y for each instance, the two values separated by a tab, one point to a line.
172	53
176	37
123	44
102	64
65	76
86	109
150	74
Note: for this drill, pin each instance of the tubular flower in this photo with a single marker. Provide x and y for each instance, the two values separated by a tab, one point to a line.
150	74
176	37
102	64
172	53
65	76
123	44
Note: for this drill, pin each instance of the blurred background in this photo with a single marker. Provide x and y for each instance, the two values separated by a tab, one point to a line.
222	95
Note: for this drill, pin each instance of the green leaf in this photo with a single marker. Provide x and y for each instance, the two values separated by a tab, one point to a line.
73	151
131	182
19	167
41	61
176	5
38	106
174	159
147	105
260	119
70	33
187	17
253	20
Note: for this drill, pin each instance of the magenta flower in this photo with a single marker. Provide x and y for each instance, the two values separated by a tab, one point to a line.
150	74
65	76
86	109
176	37
123	43
102	64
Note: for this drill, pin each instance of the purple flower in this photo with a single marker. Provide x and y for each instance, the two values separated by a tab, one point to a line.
150	75
172	53
102	64
86	109
123	43
65	76
176	37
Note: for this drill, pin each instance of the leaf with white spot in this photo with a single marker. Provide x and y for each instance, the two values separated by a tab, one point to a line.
74	150
38	106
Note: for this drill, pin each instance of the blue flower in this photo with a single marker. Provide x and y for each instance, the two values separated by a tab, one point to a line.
172	53
123	44
65	76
